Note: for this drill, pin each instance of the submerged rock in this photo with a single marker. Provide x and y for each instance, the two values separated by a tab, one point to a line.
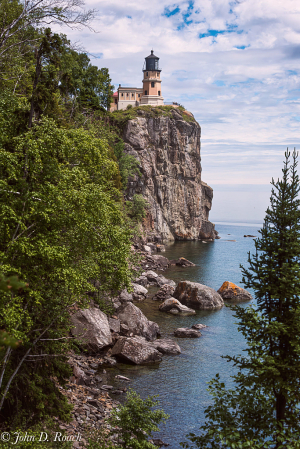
182	262
185	332
198	295
166	346
199	326
172	303
230	291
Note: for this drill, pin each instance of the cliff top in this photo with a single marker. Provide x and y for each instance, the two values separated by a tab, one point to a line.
121	117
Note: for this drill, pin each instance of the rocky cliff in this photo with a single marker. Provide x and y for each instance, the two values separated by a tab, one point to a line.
167	147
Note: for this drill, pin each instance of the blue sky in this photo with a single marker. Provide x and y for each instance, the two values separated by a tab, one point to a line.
234	64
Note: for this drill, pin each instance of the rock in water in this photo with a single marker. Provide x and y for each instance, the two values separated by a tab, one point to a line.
166	346
182	262
92	329
198	296
168	151
230	291
135	350
165	292
172	303
185	332
199	326
135	322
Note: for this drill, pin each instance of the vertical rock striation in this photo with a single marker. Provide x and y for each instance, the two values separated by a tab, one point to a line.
168	151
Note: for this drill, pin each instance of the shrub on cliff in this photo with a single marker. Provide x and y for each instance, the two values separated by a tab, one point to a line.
262	411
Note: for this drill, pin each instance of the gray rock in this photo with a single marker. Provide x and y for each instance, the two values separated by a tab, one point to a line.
232	292
172	303
184	332
182	262
139	293
198	296
138	325
114	324
142	280
91	328
166	346
174	311
135	350
199	326
165	292
160	248
161	280
124	296
161	261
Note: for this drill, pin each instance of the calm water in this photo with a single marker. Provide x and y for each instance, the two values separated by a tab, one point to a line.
181	381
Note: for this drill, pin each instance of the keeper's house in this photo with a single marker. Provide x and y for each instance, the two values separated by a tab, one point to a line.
150	94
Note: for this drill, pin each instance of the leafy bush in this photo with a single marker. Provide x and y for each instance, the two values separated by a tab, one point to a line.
136	421
137	207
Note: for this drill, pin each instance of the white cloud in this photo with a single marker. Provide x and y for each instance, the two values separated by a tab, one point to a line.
246	98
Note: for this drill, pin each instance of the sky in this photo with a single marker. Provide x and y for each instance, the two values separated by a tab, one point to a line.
234	64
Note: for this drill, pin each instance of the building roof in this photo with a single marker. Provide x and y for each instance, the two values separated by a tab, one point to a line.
115	94
152	56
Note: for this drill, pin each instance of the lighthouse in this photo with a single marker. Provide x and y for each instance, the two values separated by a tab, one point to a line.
152	82
150	94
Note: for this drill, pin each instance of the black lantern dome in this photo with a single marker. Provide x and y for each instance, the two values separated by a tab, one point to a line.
151	63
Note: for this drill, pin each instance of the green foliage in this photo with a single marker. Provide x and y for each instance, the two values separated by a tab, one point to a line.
136	421
128	164
61	224
137	207
263	409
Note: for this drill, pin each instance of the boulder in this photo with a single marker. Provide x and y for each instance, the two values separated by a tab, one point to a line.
172	303
165	292
135	350
161	262
230	291
185	332
166	346
136	322
160	248
91	328
198	296
114	324
157	279
147	249
124	296
142	280
139	292
182	262
161	280
199	326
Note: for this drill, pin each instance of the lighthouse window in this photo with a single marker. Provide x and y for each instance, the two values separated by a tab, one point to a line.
147	74
127	95
132	95
139	95
156	64
145	92
159	92
121	95
152	84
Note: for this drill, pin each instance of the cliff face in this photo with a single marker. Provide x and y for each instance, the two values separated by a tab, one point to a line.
168	151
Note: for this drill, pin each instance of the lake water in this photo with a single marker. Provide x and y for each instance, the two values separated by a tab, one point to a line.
181	381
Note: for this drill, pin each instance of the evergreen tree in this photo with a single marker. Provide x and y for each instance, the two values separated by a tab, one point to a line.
263	409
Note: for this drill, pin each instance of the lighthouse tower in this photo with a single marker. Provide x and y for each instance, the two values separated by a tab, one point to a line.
152	82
